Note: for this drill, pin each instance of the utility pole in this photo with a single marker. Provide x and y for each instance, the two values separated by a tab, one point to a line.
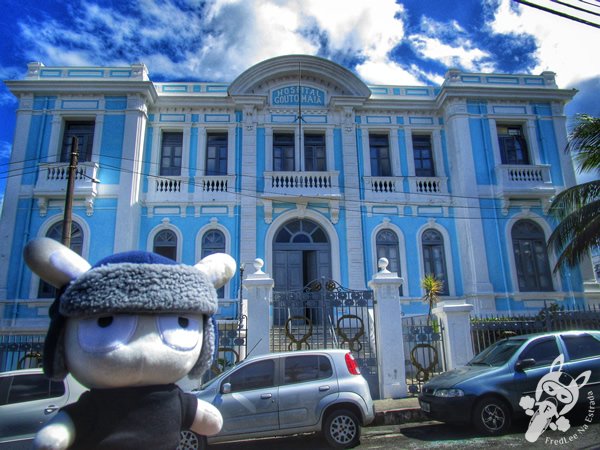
67	218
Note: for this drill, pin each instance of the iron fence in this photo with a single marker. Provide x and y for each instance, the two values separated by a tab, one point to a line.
21	351
424	350
486	330
326	315
232	341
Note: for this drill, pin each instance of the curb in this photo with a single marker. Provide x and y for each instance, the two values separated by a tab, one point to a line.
398	417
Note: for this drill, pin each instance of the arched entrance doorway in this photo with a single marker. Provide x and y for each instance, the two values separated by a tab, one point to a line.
301	254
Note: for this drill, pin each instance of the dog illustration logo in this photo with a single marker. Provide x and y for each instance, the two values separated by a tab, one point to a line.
556	394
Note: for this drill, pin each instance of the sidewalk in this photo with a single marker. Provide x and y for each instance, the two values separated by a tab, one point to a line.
397	411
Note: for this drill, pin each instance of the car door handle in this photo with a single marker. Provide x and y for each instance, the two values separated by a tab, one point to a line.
266	396
324	388
50	409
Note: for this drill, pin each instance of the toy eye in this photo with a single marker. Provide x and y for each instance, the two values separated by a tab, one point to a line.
179	332
106	333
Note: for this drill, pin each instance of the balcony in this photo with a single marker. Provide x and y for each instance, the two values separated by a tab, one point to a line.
52	179
391	189
176	189
524	181
524	185
302	184
52	183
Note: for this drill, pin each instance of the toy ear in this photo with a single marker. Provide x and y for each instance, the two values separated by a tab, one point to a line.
583	378
560	359
53	262
219	267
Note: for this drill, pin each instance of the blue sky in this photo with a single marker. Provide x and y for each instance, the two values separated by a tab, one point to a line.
406	42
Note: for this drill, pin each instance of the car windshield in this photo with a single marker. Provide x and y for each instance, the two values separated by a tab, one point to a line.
497	353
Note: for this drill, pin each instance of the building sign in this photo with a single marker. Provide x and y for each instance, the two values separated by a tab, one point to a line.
293	95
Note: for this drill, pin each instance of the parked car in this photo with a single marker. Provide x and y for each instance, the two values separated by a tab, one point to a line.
28	400
487	391
281	394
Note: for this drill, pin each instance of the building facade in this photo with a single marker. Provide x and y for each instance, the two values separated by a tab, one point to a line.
300	163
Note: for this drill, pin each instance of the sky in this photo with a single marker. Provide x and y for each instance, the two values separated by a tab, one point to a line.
402	42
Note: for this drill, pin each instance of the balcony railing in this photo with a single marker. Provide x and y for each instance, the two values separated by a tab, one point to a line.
52	178
428	185
176	189
384	185
309	184
516	178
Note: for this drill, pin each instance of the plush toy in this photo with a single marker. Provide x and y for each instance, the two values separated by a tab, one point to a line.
128	328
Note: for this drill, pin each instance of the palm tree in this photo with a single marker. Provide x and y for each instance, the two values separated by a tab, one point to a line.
433	288
578	207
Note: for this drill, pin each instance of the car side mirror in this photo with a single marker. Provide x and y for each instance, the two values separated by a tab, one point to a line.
523	364
226	388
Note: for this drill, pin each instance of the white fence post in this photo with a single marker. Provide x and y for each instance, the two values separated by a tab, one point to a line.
388	326
458	343
260	294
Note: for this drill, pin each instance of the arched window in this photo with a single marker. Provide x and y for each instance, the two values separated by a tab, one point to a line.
165	244
213	241
301	231
386	242
45	290
434	259
531	257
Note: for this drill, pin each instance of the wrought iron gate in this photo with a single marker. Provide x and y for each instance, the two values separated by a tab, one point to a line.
424	354
326	315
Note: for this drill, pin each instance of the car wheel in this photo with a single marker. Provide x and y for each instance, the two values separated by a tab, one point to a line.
191	441
492	416
342	429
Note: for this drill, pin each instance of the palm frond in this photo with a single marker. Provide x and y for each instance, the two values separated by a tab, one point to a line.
573	198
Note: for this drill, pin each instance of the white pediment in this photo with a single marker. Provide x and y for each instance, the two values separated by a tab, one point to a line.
286	78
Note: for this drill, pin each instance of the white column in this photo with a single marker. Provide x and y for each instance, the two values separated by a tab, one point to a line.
259	287
388	326
11	194
128	208
454	316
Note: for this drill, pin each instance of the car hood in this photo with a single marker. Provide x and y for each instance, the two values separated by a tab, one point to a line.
460	374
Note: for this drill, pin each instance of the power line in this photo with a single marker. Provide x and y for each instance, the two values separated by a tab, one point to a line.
31	170
351	205
559	13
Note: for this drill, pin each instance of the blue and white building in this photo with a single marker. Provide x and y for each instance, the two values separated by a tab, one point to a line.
300	163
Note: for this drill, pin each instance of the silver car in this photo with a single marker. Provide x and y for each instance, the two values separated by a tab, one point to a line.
282	394
28	400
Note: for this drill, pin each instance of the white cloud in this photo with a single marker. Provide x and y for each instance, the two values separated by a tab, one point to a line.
466	56
220	39
564	46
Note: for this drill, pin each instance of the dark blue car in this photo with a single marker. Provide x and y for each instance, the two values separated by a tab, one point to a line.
542	376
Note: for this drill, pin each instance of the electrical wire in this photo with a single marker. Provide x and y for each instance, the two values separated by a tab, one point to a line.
346	205
15	172
559	13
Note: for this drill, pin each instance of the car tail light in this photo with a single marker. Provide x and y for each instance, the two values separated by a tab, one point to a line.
351	364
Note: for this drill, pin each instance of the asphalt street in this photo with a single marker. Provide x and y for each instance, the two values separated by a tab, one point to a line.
435	435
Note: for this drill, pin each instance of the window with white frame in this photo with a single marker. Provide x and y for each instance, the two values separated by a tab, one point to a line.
314	152
283	152
83	130
379	149
531	257
434	257
216	154
387	243
213	241
165	244
512	144
423	155
46	290
170	153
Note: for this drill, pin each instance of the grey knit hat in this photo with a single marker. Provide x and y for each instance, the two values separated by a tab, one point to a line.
134	283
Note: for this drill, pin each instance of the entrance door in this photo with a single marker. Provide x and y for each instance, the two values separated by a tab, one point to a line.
301	254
